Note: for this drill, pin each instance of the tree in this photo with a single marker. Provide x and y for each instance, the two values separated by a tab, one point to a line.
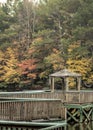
9	71
7	27
52	33
25	15
80	63
59	32
27	72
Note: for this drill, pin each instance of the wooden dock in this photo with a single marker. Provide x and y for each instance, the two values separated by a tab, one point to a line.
48	105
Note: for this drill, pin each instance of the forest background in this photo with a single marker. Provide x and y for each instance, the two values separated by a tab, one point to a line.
37	39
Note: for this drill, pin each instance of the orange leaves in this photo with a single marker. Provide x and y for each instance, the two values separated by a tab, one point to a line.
27	64
32	75
31	51
27	67
13	72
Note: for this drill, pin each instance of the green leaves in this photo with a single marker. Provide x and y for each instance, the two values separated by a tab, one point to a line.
59	31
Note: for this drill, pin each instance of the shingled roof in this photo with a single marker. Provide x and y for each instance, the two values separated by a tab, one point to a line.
65	73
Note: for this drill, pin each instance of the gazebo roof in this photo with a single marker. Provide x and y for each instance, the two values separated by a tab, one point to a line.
65	73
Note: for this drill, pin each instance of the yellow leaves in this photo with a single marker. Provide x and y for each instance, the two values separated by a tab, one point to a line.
55	51
1	55
55	59
79	64
39	39
11	70
73	46
11	75
31	75
72	82
44	74
8	64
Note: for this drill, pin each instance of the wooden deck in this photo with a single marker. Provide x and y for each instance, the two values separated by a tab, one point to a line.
47	105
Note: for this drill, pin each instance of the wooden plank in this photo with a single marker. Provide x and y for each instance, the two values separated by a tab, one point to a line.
72	106
73	115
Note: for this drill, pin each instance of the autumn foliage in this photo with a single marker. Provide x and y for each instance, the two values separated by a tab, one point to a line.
39	39
27	68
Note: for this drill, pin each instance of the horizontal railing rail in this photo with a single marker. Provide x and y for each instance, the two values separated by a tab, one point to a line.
65	96
17	125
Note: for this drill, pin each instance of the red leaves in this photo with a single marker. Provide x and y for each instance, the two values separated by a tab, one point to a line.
27	67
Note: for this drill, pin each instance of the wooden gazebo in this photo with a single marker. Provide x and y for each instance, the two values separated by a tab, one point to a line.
65	74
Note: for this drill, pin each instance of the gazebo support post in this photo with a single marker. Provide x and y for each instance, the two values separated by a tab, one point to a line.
52	85
66	84
66	87
79	83
78	86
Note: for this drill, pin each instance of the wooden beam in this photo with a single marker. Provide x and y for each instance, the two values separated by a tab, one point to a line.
73	115
81	115
74	118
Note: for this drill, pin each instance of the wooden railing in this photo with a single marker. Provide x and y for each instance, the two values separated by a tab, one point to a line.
64	96
28	106
86	96
21	125
30	109
34	94
72	97
79	97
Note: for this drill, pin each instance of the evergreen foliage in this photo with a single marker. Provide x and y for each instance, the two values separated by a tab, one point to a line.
38	39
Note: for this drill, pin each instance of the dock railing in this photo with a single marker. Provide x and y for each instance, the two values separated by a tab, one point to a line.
79	97
65	96
27	109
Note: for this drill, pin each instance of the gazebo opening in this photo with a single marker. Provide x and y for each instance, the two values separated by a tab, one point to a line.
65	80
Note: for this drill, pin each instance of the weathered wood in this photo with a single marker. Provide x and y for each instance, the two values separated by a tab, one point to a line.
65	96
29	105
29	109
